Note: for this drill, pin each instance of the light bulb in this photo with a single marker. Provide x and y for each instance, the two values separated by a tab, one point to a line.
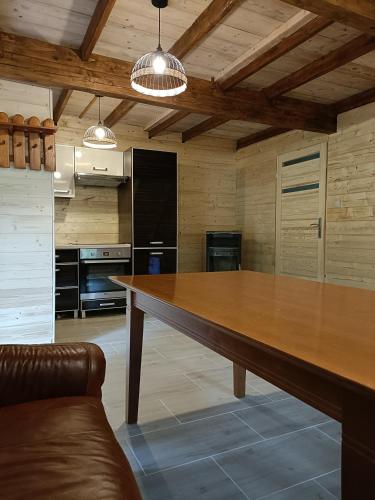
159	64
100	133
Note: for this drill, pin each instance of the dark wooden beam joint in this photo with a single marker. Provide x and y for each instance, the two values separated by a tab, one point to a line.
260	136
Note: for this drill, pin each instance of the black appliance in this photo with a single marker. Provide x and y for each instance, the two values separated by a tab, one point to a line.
154	210
97	264
223	251
66	281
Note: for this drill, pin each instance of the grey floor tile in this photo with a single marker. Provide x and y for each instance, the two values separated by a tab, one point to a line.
137	469
188	442
305	491
269	390
202	480
203	403
333	429
332	482
279	463
280	417
153	416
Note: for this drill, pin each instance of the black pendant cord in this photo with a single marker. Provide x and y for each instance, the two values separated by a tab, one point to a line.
100	121
159	46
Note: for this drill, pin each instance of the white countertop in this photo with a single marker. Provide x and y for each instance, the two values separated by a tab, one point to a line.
93	245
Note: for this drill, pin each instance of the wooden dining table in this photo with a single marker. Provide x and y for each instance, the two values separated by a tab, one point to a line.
314	340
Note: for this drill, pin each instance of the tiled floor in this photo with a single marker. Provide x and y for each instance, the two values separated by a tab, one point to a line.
194	440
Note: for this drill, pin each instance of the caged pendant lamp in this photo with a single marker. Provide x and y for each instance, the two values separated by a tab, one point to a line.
159	73
99	136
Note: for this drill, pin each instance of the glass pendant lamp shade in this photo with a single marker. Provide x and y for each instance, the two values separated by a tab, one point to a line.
99	136
159	73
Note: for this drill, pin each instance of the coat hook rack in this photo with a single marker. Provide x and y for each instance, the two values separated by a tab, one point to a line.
27	142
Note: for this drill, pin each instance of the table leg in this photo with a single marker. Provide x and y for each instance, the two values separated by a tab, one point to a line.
358	448
134	322
239	381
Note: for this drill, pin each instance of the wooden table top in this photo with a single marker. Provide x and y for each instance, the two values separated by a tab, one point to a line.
330	326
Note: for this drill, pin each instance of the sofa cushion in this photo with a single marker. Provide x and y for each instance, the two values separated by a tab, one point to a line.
62	448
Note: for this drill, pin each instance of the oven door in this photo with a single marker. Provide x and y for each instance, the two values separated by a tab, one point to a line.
219	259
94	278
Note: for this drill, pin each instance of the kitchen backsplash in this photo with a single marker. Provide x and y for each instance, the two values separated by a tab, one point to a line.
90	217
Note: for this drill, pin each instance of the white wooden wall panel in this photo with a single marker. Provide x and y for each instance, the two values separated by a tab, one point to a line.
26	234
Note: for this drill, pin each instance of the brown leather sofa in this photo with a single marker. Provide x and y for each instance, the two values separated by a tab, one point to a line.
55	440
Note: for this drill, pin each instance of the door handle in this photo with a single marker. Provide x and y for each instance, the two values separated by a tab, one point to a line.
57	270
101	169
318	226
57	294
107	304
62	191
156	242
156	253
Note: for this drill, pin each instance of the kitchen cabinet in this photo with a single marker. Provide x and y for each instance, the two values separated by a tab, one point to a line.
154	176
64	185
67	281
99	162
155	261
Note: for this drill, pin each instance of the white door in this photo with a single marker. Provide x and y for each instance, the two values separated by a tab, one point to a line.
300	212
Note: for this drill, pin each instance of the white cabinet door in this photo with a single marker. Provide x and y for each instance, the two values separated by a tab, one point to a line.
97	161
64	186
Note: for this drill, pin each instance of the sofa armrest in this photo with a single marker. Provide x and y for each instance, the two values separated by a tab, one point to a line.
31	372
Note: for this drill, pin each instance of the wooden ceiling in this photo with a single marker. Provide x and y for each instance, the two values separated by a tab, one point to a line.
254	66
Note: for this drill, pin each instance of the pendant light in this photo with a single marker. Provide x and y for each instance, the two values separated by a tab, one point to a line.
159	73
99	136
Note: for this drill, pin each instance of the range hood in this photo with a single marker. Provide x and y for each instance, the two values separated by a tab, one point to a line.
105	180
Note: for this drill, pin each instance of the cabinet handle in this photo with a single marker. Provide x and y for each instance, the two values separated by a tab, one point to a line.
62	190
58	270
156	253
101	169
57	294
107	304
57	256
156	242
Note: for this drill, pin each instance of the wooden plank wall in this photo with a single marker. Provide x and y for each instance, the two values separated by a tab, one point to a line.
26	234
350	246
350	242
207	189
90	217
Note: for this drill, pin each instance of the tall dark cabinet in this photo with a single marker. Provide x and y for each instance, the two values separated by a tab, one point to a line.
151	198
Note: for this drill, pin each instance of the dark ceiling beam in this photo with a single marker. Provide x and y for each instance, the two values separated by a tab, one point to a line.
260	136
165	122
61	104
88	106
209	19
355	101
290	35
121	110
283	45
359	14
201	128
98	20
34	61
329	62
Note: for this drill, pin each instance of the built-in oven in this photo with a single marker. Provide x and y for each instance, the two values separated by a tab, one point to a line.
97	290
223	251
